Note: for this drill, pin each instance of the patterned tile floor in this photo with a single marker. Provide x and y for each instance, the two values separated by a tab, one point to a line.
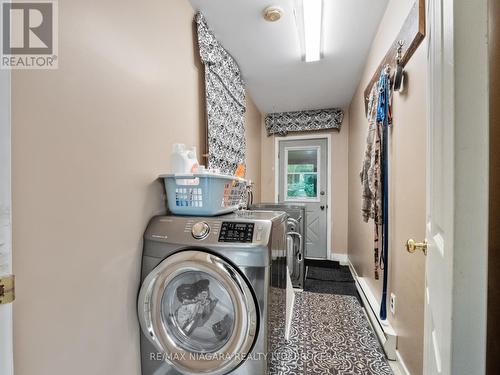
330	335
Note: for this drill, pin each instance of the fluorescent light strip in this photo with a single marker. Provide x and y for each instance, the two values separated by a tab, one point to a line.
313	15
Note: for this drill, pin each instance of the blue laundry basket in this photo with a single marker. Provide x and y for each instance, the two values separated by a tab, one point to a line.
203	194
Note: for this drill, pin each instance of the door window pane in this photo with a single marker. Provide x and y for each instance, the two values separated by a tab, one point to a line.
302	174
198	312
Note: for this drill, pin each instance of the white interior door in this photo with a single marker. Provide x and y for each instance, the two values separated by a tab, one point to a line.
457	195
6	351
439	266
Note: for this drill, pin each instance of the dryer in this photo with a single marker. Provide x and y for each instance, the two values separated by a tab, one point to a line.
296	230
207	284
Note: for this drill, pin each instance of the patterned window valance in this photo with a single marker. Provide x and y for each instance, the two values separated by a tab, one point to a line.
320	119
225	102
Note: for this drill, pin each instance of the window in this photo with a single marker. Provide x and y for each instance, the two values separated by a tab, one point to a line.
301	173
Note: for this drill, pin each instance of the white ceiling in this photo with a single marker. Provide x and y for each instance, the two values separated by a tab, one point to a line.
269	54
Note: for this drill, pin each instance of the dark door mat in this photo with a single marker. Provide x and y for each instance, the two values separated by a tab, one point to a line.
321	263
331	278
330	335
341	274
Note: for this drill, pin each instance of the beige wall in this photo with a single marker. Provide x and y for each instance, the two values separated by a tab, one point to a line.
253	138
267	165
407	190
339	182
89	140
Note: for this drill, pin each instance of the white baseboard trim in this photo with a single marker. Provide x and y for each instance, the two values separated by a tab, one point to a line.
401	364
341	258
384	331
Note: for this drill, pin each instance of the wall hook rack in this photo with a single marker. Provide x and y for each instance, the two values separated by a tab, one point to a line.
410	36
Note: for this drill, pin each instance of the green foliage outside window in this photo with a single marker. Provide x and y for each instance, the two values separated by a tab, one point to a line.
302	185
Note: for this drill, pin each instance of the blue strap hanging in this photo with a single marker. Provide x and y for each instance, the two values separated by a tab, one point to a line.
383	117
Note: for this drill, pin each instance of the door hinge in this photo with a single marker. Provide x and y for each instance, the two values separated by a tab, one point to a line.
7	289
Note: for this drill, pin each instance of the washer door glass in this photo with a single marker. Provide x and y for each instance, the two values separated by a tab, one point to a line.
197	312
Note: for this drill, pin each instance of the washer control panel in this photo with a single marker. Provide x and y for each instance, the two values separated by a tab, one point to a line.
200	230
236	232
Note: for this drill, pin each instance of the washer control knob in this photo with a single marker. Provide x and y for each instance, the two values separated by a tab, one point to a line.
200	230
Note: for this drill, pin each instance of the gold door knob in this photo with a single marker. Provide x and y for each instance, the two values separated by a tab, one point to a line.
413	246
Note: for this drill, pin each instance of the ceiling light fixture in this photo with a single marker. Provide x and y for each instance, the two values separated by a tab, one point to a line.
272	13
312	11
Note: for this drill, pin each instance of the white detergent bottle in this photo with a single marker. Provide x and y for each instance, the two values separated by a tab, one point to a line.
192	160
179	160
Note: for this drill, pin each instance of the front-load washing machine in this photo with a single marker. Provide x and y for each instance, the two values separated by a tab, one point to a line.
207	287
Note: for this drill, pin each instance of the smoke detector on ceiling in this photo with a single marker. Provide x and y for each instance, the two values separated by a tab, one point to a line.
272	13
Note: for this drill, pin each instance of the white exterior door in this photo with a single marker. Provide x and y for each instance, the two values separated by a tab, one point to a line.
303	178
457	173
6	352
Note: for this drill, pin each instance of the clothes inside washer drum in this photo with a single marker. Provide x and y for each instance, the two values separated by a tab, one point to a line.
197	312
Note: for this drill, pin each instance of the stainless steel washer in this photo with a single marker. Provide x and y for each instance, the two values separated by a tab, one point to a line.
206	287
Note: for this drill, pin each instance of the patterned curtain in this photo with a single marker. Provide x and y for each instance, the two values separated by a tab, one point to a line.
225	102
321	119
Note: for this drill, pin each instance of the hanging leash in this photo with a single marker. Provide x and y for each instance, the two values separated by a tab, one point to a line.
383	116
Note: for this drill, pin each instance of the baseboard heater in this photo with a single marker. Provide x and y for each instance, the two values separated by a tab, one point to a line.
384	331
